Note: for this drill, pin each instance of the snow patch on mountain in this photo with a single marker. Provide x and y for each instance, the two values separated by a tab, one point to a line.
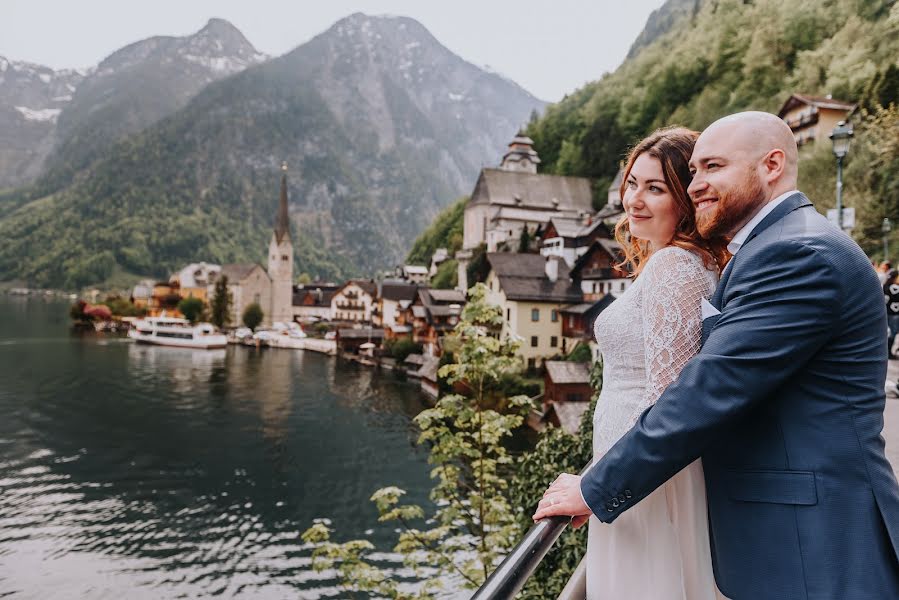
44	114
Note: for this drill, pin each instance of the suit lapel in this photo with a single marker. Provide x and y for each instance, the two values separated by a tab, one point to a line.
797	200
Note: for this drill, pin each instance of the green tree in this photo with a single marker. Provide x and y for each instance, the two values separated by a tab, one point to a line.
252	316
191	308
472	524
220	307
556	452
447	276
524	240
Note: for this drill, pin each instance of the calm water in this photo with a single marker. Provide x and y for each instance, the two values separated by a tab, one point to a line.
143	472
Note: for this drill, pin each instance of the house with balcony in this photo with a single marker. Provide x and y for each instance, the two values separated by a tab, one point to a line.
312	301
814	117
196	279
570	238
394	295
432	315
597	273
532	290
354	301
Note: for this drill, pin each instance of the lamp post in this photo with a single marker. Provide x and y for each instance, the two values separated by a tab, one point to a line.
885	228
841	136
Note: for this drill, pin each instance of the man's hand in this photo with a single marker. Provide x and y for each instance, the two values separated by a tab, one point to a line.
563	497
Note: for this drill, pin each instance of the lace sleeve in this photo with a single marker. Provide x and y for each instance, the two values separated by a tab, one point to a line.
676	281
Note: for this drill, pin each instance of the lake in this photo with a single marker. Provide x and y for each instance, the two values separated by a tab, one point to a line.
132	471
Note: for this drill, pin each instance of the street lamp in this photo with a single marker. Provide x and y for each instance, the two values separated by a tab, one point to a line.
886	227
841	136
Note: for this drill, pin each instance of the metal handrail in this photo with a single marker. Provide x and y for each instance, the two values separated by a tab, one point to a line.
511	574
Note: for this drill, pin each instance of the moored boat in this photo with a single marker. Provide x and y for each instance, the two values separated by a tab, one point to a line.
169	331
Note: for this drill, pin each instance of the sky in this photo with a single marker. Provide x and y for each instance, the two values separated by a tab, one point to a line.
549	48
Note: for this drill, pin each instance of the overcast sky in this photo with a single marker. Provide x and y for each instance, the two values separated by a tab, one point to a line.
549	48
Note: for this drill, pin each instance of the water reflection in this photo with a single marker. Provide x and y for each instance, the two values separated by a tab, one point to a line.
148	472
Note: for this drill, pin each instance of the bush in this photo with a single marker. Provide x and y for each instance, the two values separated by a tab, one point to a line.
122	307
252	316
401	348
191	308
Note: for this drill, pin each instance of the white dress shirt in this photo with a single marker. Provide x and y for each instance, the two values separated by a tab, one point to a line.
740	238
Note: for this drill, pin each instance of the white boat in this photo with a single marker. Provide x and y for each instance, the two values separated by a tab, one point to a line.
169	331
289	335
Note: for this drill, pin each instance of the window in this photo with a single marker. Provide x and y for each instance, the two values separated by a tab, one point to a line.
573	398
509	314
554	316
283	257
533	341
620	287
532	364
571	320
553	342
535	314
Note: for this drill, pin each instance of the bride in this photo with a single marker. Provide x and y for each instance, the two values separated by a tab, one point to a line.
659	549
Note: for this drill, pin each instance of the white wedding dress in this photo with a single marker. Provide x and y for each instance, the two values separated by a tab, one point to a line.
658	549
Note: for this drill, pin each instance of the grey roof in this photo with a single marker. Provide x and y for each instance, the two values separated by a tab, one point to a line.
523	277
429	369
564	371
368	286
398	290
237	272
819	101
578	309
569	414
568	228
321	297
357	334
449	296
415	359
498	186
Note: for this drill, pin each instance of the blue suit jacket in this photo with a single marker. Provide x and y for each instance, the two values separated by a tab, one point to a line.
784	403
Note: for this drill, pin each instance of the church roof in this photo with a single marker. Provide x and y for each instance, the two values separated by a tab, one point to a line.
282	222
533	190
237	272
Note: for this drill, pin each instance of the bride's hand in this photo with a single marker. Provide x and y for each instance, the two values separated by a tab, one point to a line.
563	497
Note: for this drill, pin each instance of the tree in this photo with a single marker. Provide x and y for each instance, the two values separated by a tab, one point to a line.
252	316
220	308
472	525
524	240
555	452
191	308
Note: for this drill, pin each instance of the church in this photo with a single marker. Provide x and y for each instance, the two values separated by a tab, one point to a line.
271	288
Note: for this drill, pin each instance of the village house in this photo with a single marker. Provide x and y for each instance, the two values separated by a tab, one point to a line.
393	296
353	340
354	301
531	291
248	283
195	279
312	302
440	256
142	293
415	274
566	381
813	117
596	270
435	313
507	199
571	238
578	321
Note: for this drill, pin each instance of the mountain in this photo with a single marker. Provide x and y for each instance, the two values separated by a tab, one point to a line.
31	100
381	127
699	60
131	89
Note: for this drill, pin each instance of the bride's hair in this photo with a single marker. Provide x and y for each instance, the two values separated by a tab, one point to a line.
672	146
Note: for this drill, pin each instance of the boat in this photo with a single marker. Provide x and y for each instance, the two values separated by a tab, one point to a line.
170	331
286	335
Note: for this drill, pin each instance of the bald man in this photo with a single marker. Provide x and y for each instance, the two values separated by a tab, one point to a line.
784	403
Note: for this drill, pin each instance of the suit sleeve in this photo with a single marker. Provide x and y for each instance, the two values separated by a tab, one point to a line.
776	316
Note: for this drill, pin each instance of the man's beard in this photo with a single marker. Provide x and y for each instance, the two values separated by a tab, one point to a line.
732	210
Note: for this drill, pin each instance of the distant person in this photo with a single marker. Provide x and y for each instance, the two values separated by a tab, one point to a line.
885	267
891	296
784	403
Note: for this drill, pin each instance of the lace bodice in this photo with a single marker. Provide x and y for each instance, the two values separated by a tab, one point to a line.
646	337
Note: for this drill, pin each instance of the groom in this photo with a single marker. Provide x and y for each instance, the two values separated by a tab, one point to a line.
784	403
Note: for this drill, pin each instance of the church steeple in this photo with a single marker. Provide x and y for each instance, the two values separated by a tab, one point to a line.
282	222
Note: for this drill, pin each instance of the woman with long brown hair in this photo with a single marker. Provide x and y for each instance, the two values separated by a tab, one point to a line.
659	549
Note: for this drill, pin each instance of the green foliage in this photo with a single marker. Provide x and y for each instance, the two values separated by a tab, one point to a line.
400	348
698	61
478	268
524	240
473	524
445	231
580	353
76	312
191	308
220	306
556	452
122	307
252	316
447	276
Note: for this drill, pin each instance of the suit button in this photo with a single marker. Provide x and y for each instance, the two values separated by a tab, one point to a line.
615	502
610	509
627	494
621	498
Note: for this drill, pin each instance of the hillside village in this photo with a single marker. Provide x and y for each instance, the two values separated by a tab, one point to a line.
547	257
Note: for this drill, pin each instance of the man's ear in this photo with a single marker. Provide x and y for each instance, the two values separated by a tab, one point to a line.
774	164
